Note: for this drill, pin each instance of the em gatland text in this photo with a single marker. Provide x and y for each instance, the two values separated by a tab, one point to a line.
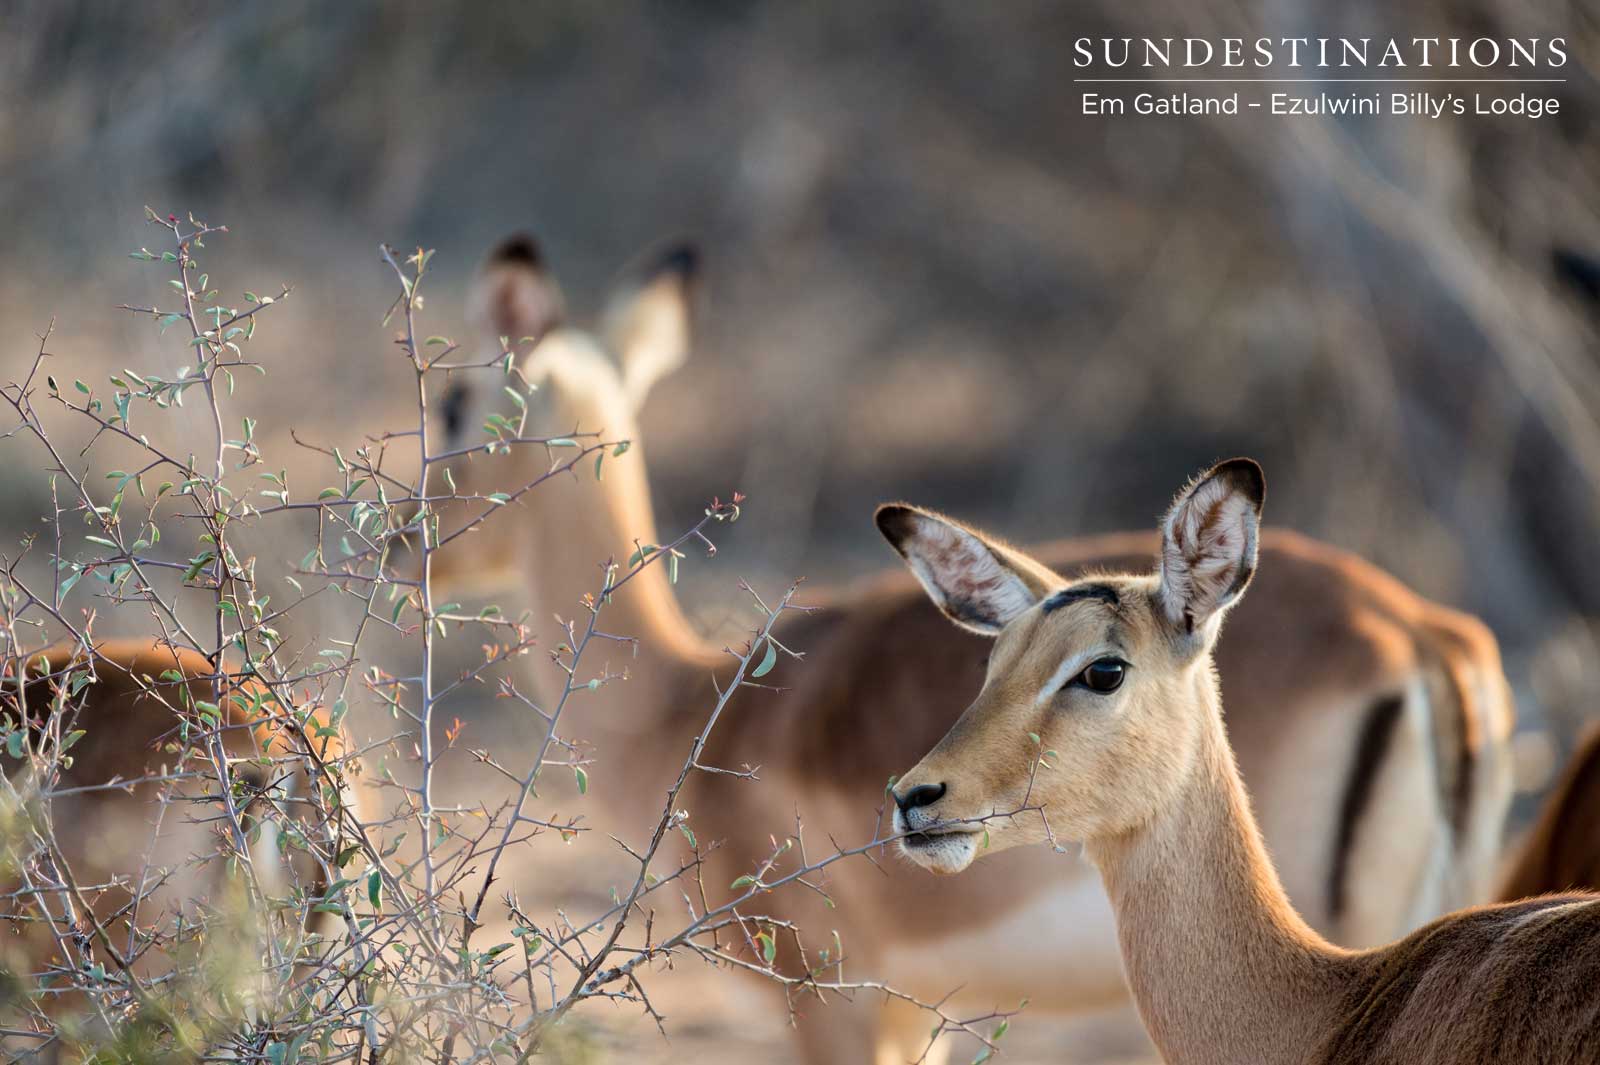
1424	104
1428	77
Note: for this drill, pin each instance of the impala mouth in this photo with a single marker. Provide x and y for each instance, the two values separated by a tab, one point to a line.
942	848
934	833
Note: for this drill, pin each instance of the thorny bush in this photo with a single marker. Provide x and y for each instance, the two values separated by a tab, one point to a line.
199	857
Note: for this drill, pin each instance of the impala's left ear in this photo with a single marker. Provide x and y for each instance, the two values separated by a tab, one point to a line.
1208	546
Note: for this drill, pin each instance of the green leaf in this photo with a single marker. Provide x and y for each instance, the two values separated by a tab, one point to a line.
14	743
583	779
743	881
769	946
621	449
561	441
767	662
375	889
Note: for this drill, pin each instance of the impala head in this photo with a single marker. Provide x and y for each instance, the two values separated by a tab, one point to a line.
563	374
1112	674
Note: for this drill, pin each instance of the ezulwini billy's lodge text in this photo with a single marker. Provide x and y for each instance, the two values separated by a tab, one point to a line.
1421	104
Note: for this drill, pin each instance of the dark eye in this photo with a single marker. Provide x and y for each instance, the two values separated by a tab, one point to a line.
454	409
1103	676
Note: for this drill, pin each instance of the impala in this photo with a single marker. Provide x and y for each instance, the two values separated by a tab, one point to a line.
1562	849
1370	723
118	845
1114	676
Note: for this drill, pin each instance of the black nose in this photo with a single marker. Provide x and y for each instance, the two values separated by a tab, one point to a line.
921	795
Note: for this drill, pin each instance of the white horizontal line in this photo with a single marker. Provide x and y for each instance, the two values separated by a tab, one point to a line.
1324	81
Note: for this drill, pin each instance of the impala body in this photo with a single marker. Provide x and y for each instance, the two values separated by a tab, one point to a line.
1371	724
116	839
1114	675
1562	849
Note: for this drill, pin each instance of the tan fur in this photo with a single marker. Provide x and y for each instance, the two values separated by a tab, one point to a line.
127	713
1222	967
1561	851
1323	637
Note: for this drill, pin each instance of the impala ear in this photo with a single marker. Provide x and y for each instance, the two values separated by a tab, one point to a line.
648	321
1208	545
979	584
514	295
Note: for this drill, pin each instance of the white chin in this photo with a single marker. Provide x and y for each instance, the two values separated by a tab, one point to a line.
945	854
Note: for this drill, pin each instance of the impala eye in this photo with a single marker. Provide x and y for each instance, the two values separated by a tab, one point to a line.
1102	676
454	409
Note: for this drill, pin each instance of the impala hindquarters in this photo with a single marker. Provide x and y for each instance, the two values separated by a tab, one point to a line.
119	832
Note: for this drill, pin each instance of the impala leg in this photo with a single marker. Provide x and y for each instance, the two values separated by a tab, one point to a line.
904	1032
840	1031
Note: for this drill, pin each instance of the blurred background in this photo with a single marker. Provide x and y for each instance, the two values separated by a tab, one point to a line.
928	276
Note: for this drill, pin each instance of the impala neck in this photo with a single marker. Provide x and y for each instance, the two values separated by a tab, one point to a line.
576	524
1222	967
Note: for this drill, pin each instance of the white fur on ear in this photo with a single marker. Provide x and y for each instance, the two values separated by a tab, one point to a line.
1208	543
972	581
649	324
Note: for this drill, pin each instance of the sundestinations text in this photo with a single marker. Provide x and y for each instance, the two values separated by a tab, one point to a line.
1191	53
